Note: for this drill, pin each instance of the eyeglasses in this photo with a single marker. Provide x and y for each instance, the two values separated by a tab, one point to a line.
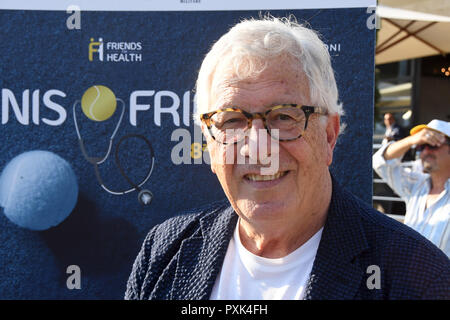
284	122
421	147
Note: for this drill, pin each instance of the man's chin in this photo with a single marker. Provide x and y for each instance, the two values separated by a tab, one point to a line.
427	167
255	208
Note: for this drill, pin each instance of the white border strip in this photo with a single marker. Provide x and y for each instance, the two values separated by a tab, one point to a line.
181	5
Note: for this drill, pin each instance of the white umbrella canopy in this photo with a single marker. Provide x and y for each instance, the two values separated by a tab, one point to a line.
406	34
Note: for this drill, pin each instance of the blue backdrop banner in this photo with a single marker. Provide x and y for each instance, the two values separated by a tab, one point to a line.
122	81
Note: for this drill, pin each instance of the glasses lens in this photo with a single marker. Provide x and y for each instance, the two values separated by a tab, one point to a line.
423	146
289	123
228	126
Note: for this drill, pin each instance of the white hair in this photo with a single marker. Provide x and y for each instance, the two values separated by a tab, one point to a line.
251	44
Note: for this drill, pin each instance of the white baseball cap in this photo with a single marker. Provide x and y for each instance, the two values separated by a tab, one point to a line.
436	125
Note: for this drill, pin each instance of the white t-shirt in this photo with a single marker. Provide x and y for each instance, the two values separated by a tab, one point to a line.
245	275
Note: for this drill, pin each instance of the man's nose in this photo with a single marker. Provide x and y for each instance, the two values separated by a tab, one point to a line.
257	143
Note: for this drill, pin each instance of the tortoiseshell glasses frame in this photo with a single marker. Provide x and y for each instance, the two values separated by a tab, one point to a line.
294	124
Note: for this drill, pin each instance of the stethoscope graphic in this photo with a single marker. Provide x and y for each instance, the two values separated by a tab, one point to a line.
144	195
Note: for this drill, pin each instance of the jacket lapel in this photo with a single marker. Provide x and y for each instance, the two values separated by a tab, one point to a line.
336	273
201	256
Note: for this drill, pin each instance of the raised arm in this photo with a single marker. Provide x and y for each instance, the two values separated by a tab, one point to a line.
425	136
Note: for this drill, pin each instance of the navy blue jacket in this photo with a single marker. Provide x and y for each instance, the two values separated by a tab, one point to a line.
181	258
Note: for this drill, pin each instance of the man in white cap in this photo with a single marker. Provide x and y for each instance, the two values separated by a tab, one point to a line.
427	194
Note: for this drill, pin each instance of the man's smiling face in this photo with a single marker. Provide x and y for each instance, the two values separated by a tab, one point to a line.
303	163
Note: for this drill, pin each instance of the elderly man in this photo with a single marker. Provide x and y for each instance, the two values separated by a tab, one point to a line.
427	194
293	233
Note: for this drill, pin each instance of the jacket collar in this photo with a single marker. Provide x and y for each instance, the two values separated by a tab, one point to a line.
335	273
201	256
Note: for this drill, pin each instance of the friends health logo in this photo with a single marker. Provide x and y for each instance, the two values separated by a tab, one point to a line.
114	51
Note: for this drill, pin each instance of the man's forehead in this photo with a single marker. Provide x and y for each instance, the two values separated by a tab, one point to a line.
281	79
252	69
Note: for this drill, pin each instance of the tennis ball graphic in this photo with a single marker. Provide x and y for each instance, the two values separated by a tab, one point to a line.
98	103
38	190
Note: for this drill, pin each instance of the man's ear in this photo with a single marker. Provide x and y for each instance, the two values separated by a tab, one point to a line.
333	127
